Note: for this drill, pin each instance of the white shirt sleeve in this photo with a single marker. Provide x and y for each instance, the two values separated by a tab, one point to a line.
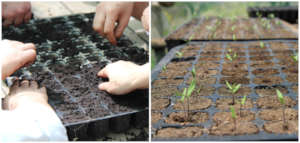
32	123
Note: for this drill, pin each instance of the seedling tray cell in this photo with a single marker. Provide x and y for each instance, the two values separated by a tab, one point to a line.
69	56
235	29
259	71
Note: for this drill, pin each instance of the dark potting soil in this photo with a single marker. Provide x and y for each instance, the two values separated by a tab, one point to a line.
69	56
259	77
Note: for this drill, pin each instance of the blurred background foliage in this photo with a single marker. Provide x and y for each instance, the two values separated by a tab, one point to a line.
166	16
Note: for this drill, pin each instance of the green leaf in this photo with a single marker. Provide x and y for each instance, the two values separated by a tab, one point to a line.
280	96
194	72
179	54
228	85
182	98
261	44
191	88
295	57
233	37
178	93
243	100
234	55
236	88
232	28
228	57
164	68
233	114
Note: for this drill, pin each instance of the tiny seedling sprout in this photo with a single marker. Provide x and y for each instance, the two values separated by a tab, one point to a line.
164	68
179	54
233	28
233	115
282	102
233	89
243	101
295	57
261	44
233	37
231	56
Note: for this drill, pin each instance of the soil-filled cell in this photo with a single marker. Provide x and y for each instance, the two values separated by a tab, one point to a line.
183	118
261	53
185	132
290	70
163	91
202	80
164	82
261	58
195	103
265	72
212	47
172	73
268	80
235	80
295	89
292	78
207	64
240	128
203	90
235	67
243	91
155	117
277	114
262	64
243	115
213	59
201	73
269	90
273	102
179	65
225	103
278	127
159	103
210	54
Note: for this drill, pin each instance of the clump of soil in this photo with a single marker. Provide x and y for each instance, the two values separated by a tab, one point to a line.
196	103
234	79
163	91
180	118
225	103
155	117
228	128
262	64
159	103
185	132
278	128
243	91
268	80
270	90
265	72
221	117
293	78
207	64
273	102
276	114
164	82
295	88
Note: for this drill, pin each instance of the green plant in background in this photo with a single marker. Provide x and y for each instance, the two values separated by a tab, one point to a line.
231	56
233	89
233	116
261	44
282	102
259	15
277	22
186	94
271	16
179	54
295	57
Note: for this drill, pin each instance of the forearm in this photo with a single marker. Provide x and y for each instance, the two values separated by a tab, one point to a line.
138	9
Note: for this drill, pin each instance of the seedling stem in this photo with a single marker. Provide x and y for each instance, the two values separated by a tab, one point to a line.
282	102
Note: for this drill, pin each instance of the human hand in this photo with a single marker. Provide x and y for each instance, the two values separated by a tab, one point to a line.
107	14
24	94
15	55
124	77
16	13
145	19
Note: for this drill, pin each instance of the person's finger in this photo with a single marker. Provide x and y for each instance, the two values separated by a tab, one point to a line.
28	56
27	17
19	19
109	29
8	21
98	23
102	72
43	89
107	86
25	83
14	87
121	26
34	84
28	46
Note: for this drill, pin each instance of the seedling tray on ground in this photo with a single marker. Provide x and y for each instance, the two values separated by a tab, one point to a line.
216	28
260	71
69	56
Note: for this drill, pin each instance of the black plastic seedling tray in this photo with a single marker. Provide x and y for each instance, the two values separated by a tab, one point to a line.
164	100
69	56
222	29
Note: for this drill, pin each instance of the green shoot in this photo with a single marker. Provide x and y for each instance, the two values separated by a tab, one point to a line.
259	15
261	44
233	89
230	55
282	102
233	28
233	115
233	37
179	54
271	16
242	103
295	57
277	22
194	72
164	68
191	38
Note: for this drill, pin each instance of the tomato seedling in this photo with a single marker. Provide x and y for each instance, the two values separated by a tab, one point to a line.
233	89
231	56
242	104
233	116
282	102
233	28
295	57
164	68
261	44
233	37
179	54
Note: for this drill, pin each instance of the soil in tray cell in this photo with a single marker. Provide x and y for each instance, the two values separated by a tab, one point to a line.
288	62
185	132
235	66
278	127
295	89
236	60
155	117
260	53
243	91
222	117
165	82
265	72
225	103
270	90
276	114
235	80
202	73
163	91
229	128
279	46
207	64
261	58
183	65
239	73
182	119
290	70
212	47
268	80
201	31
211	54
236	47
172	73
182	32
159	103
261	64
213	59
191	48
74	116
196	103
202	80
267	102
292	78
203	90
